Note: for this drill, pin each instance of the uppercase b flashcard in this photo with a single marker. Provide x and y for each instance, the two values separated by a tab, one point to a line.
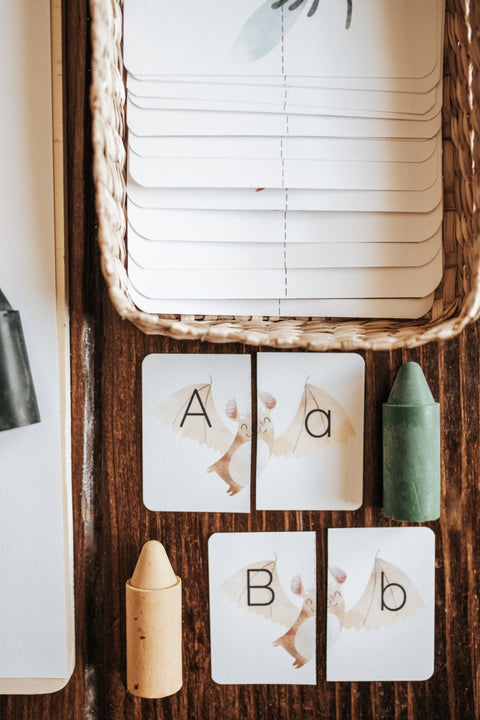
263	607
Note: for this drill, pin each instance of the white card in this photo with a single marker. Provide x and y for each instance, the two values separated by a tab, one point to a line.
400	308
380	604
310	431
288	283
263	608
300	200
361	84
287	105
144	121
400	40
259	226
284	172
232	92
197	432
197	254
320	148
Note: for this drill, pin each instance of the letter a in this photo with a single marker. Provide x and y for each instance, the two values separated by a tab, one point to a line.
327	414
385	587
265	587
204	412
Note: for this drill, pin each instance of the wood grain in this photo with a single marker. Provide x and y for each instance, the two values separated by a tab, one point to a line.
111	523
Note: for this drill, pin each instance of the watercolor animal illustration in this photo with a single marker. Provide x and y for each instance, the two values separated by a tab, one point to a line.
257	588
267	26
318	423
192	412
389	597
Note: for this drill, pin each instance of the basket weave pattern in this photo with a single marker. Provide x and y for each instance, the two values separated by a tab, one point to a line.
457	300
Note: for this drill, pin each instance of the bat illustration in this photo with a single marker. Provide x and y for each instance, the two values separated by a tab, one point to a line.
192	412
257	588
319	422
389	596
267	26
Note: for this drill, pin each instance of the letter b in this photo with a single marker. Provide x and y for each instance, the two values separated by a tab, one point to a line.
391	585
264	595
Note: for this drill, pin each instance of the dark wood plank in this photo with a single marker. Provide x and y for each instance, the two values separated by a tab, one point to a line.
111	524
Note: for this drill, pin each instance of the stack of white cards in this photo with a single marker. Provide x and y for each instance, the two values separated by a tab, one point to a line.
284	158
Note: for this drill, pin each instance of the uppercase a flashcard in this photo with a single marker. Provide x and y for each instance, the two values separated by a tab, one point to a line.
263	607
310	431
196	432
380	604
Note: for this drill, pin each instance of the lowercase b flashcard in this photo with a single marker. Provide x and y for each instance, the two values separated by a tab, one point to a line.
380	604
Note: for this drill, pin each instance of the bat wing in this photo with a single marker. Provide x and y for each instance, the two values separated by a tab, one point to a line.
257	588
320	421
263	31
191	411
389	596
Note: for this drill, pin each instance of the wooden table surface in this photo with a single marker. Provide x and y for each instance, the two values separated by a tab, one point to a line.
111	523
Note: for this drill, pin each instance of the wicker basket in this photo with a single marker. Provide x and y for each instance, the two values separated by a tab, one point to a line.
457	300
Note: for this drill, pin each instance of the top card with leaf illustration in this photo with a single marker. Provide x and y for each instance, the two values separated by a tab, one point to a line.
310	431
353	38
197	432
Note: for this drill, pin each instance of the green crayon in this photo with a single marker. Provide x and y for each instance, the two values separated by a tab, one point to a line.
18	402
411	449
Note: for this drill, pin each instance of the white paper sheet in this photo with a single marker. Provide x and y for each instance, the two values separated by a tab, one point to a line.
35	550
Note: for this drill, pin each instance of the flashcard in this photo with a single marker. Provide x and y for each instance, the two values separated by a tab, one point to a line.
286	105
228	92
400	40
196	432
263	607
380	604
310	431
215	225
299	148
182	255
288	282
284	160
400	308
386	201
147	121
372	84
282	172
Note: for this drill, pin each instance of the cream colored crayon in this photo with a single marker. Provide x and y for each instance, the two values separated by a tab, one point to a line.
154	625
